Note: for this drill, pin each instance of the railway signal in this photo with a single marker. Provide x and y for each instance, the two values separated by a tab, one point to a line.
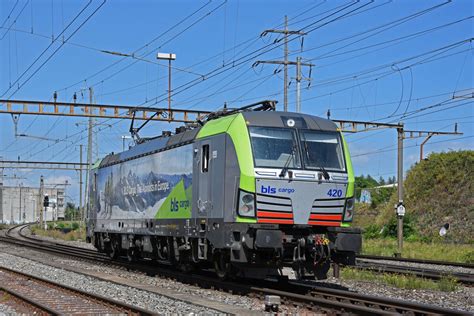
46	201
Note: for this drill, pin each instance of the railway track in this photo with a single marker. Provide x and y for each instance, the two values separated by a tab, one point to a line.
369	262
310	295
56	299
420	261
464	278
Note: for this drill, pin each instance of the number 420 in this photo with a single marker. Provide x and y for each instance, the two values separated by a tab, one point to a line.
334	193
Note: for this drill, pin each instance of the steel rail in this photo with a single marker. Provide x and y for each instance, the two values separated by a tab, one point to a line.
421	261
29	301
465	278
102	300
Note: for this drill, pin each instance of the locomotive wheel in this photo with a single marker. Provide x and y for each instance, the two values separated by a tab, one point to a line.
222	265
112	250
321	270
132	255
162	251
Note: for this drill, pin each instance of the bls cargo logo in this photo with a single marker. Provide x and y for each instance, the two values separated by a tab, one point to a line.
176	205
271	190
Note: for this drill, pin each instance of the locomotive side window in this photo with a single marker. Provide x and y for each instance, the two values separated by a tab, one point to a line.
205	158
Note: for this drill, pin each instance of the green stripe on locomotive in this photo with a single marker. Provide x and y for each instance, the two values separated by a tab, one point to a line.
177	204
350	171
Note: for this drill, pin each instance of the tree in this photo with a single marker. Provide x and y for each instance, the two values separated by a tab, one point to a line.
381	181
391	180
363	183
71	212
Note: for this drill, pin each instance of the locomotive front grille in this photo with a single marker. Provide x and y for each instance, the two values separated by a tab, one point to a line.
274	210
327	212
279	210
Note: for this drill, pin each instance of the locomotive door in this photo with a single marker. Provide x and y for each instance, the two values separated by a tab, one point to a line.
203	169
209	166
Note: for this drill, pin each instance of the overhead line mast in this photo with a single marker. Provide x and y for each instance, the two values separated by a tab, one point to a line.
285	62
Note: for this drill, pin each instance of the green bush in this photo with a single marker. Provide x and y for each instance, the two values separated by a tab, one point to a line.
391	228
75	226
372	231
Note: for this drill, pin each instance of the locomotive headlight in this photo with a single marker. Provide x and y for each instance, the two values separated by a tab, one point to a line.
349	209
246	206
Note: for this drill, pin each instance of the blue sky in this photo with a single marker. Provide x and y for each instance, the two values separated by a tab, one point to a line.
386	61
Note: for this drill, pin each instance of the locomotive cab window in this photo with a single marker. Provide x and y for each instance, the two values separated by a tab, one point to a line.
205	158
322	150
274	147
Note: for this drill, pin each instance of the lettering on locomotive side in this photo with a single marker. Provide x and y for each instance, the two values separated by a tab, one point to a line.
272	190
146	188
176	205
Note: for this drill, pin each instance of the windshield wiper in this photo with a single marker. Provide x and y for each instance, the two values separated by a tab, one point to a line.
325	173
287	163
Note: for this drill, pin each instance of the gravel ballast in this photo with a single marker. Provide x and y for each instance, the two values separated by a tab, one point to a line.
130	295
6	310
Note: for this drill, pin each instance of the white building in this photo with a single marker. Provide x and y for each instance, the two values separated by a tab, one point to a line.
21	204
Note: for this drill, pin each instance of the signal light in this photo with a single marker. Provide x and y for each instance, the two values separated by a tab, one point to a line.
246	207
349	209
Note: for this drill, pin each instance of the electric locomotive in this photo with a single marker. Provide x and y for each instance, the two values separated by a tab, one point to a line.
246	191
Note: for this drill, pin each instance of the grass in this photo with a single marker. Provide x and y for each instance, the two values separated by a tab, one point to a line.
76	234
4	226
5	297
420	250
445	284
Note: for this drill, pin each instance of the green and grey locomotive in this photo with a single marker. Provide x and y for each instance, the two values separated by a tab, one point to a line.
246	192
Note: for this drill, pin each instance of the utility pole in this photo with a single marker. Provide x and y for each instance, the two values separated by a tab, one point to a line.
19	209
298	84
400	207
169	57
89	148
124	137
40	200
1	191
1	174
298	65
80	184
285	72
299	77
285	62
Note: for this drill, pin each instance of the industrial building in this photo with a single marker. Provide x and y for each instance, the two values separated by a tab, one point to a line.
19	204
